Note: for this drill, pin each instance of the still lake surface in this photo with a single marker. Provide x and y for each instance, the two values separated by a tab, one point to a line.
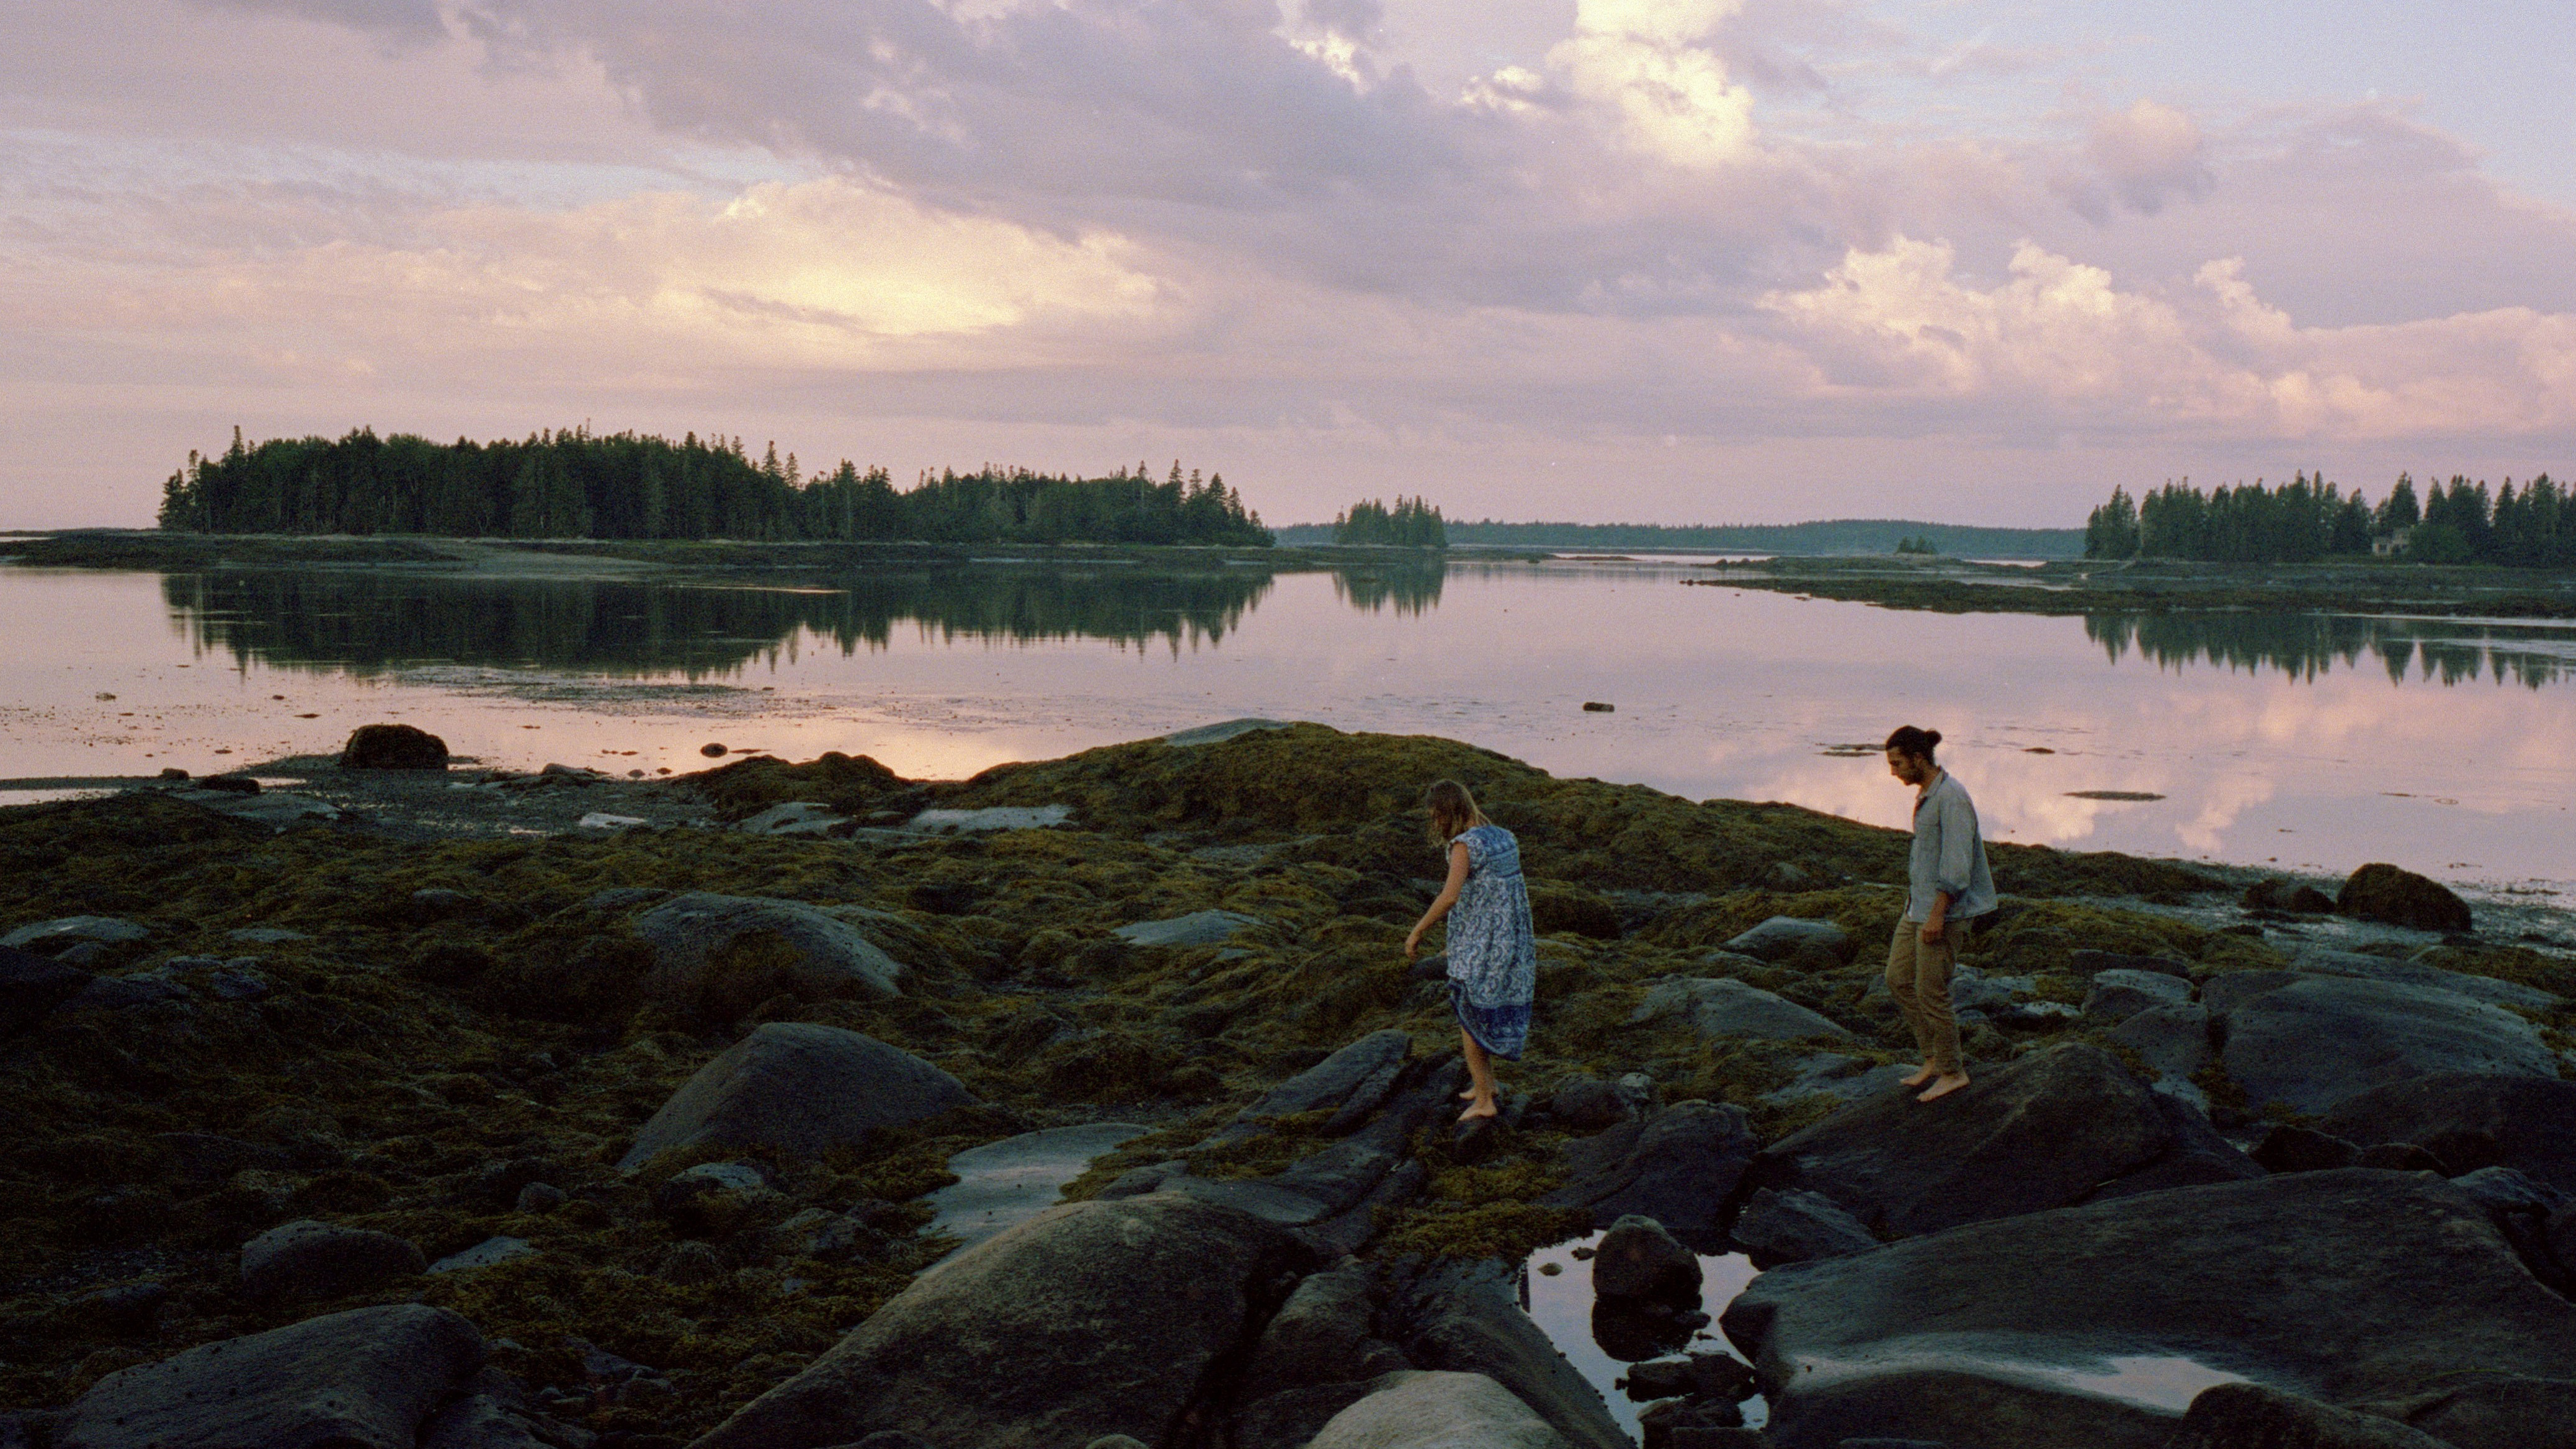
2316	742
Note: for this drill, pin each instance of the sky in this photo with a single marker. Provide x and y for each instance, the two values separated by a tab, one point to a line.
1602	260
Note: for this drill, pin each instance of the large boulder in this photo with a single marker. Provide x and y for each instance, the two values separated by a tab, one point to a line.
1093	1318
2381	892
1719	1007
2251	1416
2101	1320
1467	1318
1786	938
2055	1128
364	1379
2471	1120
309	1259
30	986
727	954
1679	1167
2494	992
1410	1409
2310	1041
393	747
2491	1412
799	1088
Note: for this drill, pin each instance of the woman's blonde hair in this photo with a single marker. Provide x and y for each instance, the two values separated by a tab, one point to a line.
1453	811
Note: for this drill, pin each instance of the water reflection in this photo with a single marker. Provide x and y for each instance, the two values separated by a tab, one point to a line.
366	622
1412	589
2305	646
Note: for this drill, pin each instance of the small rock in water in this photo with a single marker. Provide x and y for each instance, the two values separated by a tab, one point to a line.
1594	706
173	772
230	784
391	747
1638	1259
712	751
2381	892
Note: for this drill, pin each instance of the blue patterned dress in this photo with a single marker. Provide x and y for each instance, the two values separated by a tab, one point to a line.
1493	954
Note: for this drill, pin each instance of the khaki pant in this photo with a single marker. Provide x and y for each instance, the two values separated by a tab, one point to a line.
1918	976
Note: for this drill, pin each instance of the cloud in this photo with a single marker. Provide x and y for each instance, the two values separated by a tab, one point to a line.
1901	323
2144	157
1647	62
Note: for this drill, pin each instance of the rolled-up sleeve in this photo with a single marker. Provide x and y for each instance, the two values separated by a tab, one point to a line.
1956	868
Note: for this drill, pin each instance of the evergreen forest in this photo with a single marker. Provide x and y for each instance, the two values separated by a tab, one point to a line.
2309	518
577	484
1408	523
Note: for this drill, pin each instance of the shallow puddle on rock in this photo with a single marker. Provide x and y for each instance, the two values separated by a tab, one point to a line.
1561	1304
1003	1184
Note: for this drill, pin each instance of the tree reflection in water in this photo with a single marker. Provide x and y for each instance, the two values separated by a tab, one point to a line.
372	621
2305	646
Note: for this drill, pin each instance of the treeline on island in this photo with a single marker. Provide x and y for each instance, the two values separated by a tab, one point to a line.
576	484
2309	518
1407	523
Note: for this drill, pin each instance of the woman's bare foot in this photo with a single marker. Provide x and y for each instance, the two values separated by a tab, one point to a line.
1943	1087
1920	1077
1468	1095
1479	1111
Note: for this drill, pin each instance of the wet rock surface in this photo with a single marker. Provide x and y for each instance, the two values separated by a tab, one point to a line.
2471	1120
2393	1281
2055	1128
1722	1007
2309	1041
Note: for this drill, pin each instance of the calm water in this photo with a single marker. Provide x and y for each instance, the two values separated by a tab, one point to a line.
2316	741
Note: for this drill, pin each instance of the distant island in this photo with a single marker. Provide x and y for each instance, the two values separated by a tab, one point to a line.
2309	519
1834	536
577	484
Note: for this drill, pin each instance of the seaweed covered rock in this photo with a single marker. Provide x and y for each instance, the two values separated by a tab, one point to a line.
799	1088
2389	1282
1722	1007
31	986
393	747
309	1259
1412	1409
1092	1318
2382	892
2055	1128
724	954
2310	1041
2471	1120
843	784
364	1379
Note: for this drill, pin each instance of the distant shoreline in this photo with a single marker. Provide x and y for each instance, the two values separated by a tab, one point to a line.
1827	537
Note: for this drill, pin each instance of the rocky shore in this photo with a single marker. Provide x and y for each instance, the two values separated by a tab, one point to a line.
443	1109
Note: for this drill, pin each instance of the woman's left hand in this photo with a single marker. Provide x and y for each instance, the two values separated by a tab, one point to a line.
1412	944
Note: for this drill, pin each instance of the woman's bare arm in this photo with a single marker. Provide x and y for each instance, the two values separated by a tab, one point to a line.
1448	897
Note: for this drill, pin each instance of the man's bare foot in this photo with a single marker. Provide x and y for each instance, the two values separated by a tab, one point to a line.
1480	1111
1943	1087
1919	1078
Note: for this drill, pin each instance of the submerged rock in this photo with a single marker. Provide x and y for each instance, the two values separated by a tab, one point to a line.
393	747
1092	1318
2054	1128
2355	1284
800	1088
365	1379
1411	1409
2381	892
1721	1007
2310	1041
309	1259
699	938
2471	1120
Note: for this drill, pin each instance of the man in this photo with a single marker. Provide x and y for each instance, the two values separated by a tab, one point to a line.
1947	885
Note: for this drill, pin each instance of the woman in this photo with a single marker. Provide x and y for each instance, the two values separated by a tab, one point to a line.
1947	886
1493	955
